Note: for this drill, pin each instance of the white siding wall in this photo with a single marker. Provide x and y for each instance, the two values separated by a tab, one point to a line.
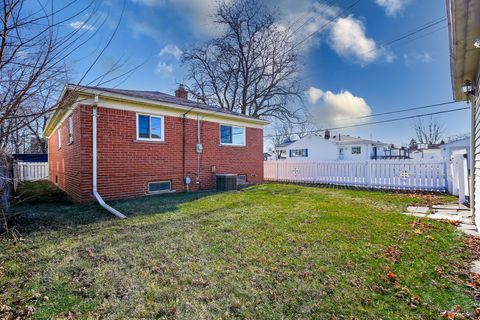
475	202
319	149
366	152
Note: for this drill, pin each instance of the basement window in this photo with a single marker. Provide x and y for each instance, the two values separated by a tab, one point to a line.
150	127
241	179
159	187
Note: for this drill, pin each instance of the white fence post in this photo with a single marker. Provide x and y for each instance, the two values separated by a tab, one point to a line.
368	174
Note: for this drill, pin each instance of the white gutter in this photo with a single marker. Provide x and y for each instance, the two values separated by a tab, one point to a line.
117	213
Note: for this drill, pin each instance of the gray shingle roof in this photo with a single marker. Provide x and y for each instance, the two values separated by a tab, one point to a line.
285	144
347	139
162	97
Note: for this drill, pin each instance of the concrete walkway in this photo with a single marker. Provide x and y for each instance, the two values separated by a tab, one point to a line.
455	213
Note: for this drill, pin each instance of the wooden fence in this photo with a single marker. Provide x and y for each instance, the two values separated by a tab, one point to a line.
428	175
31	171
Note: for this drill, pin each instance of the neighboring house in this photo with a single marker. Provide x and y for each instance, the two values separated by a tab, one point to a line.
315	147
124	143
281	150
464	33
460	146
311	147
31	157
356	148
433	152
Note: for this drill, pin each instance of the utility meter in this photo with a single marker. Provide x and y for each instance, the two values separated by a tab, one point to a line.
199	148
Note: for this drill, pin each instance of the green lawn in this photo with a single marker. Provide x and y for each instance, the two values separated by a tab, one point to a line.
268	252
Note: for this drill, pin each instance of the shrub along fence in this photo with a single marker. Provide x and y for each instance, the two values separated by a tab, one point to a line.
424	175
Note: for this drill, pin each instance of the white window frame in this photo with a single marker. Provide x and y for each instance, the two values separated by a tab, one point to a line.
70	129
233	126
359	148
162	121
59	138
161	191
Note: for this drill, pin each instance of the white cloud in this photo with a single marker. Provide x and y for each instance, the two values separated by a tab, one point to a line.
348	38
306	18
163	67
82	25
392	7
422	57
171	50
310	21
334	109
314	94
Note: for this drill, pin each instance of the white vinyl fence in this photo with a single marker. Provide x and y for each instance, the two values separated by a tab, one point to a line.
428	175
31	171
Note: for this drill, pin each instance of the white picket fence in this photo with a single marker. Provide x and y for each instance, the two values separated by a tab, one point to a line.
31	171
428	175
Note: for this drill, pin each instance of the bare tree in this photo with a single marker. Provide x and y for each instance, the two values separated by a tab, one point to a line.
35	47
429	132
289	131
252	68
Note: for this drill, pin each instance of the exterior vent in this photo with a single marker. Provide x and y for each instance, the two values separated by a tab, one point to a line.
226	182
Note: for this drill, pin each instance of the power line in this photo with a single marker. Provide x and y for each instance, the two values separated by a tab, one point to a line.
419	29
375	122
323	5
401	110
399	119
325	25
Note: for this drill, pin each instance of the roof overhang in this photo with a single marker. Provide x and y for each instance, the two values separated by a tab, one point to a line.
79	95
464	29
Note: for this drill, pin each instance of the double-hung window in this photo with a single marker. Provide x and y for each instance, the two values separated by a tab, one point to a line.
298	153
356	150
59	138
70	129
232	135
150	127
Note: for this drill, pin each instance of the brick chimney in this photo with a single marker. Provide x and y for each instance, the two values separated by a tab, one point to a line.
181	92
327	134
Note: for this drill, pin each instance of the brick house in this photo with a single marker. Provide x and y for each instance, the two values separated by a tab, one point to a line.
147	142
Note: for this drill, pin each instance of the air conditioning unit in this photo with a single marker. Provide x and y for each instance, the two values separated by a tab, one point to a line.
226	182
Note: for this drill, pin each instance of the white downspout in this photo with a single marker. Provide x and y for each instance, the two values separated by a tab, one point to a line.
117	213
198	151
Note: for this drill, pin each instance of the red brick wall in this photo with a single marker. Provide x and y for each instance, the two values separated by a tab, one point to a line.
65	163
125	165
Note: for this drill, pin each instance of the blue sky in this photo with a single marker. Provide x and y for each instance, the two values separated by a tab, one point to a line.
347	72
